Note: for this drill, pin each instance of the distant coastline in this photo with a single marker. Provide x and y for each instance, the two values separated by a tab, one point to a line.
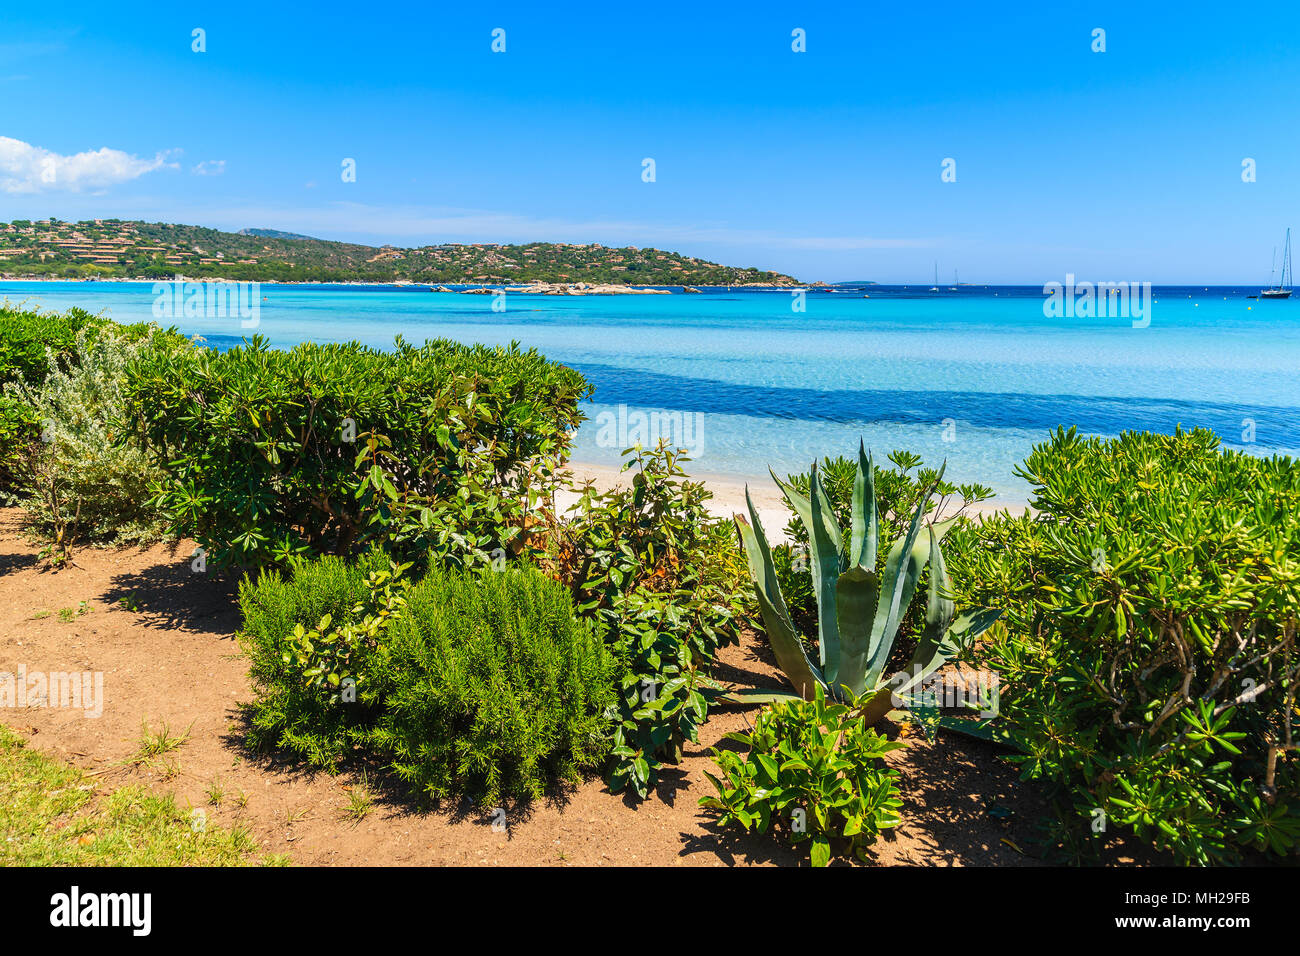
122	249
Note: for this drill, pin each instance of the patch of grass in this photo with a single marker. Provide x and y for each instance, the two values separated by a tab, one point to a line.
67	615
360	800
216	793
292	816
156	744
40	615
52	815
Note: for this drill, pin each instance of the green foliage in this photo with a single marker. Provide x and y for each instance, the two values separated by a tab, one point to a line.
860	606
439	451
1149	667
663	580
466	682
28	337
30	343
293	709
813	772
19	429
85	479
491	687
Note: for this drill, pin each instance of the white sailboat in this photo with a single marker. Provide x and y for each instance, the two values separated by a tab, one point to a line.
935	287
1283	288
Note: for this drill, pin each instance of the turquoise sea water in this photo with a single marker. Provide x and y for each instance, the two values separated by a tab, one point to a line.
974	376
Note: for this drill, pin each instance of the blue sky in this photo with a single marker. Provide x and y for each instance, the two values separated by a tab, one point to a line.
825	164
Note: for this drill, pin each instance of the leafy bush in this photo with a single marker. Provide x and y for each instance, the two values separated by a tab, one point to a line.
85	479
28	337
814	773
491	687
19	430
293	709
465	682
664	581
1149	668
30	343
438	450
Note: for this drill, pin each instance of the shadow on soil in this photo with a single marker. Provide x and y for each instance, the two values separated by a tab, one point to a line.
172	596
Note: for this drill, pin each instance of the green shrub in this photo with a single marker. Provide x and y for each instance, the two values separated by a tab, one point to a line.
28	337
30	342
85	479
1149	667
473	683
491	687
19	431
438	450
293	710
813	772
667	586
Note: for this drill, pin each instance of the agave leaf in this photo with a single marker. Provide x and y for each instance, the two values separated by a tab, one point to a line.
857	593
866	522
759	695
979	729
787	647
877	706
940	609
825	555
803	508
907	558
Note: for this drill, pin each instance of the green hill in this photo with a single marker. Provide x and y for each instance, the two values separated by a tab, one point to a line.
105	248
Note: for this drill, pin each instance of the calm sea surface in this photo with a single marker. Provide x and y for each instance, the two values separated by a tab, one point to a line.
975	375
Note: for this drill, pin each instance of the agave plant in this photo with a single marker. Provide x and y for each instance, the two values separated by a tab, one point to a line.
859	609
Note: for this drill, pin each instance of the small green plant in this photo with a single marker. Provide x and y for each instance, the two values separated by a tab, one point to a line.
667	588
360	800
216	792
814	773
859	606
67	615
159	743
292	816
128	602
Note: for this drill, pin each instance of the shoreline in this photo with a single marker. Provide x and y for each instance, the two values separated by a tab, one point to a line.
729	495
539	287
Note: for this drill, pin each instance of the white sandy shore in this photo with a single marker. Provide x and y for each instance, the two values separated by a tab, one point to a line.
729	495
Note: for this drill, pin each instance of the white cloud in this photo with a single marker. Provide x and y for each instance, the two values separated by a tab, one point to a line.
25	168
210	167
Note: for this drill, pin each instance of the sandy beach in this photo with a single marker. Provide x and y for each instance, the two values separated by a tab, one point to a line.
729	495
